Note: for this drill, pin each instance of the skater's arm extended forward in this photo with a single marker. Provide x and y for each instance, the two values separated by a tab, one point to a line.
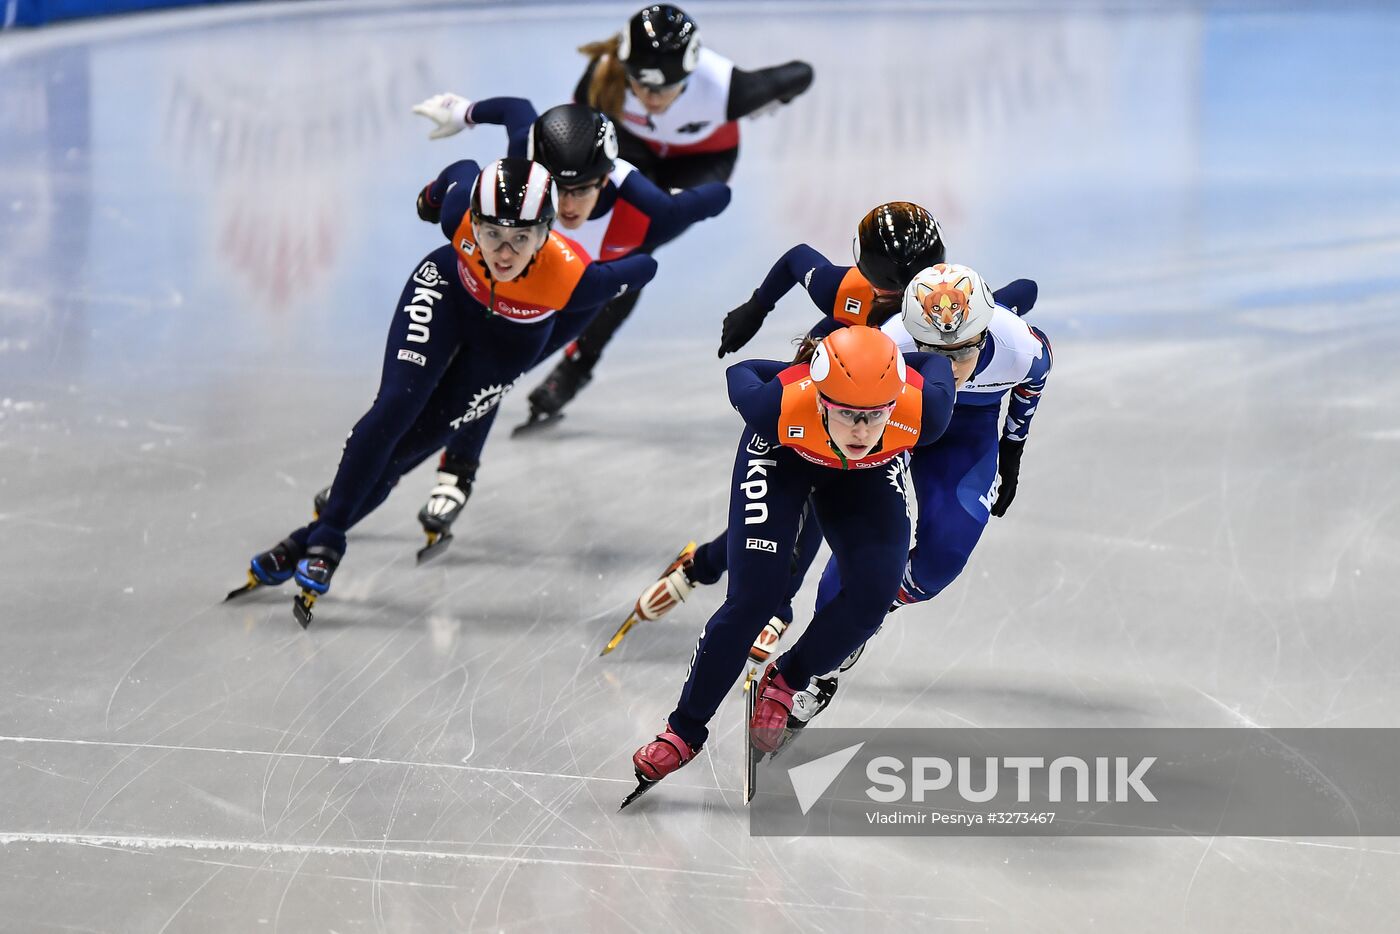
1017	296
801	263
671	214
453	113
753	90
516	114
757	394
602	282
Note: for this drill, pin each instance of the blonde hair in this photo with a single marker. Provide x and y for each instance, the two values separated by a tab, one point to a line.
609	82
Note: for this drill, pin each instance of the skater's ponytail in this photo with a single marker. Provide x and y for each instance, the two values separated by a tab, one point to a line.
806	346
609	81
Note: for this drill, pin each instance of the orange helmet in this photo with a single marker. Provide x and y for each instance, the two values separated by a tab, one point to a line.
858	367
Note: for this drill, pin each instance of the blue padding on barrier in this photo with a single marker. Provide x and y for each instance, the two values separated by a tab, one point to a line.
39	12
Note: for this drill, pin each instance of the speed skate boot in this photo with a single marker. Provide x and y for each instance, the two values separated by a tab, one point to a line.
819	692
318	502
670	589
548	399
768	727
767	640
313	574
270	568
445	502
657	759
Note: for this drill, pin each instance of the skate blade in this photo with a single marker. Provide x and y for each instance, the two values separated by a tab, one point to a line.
301	607
252	585
622	630
437	544
689	549
750	759
535	424
643	786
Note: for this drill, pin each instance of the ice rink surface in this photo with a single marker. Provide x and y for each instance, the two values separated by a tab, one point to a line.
206	218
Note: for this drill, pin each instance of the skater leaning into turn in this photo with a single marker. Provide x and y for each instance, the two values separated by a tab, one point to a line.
968	475
676	104
893	241
473	316
606	208
831	430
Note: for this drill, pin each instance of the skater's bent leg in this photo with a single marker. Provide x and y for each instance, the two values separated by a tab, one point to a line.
758	580
711	560
323	533
937	560
588	349
952	479
466	445
415	361
866	523
829	585
809	541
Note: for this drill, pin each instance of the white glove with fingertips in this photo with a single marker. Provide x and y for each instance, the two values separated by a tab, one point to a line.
448	111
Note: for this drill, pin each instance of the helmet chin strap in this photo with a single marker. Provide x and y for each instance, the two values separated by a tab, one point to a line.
831	442
836	448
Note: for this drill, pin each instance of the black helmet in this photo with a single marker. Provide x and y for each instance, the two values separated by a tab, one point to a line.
576	143
660	46
513	193
895	241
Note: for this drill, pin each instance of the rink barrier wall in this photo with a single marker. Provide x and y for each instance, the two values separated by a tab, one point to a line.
39	12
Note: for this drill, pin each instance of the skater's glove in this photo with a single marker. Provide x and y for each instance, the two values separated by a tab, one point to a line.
427	211
1008	470
448	111
741	324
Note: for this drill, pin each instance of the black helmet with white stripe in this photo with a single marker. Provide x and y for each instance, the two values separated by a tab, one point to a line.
575	142
660	46
514	193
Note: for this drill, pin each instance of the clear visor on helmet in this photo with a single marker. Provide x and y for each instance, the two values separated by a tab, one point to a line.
852	416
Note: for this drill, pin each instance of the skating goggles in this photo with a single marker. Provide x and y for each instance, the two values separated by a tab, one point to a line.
580	191
848	416
520	239
956	353
639	88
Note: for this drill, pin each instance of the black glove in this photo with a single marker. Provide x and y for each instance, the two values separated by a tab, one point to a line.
427	211
1008	469
741	324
